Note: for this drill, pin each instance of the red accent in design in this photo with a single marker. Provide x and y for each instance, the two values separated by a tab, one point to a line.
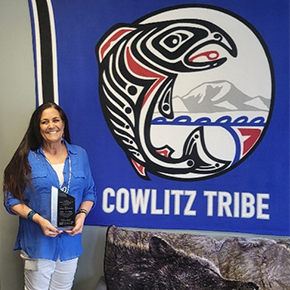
113	38
253	135
137	69
140	168
210	55
163	152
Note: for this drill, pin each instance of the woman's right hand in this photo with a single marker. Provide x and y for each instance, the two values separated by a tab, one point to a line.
47	228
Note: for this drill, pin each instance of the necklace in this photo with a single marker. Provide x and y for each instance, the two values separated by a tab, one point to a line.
66	188
63	188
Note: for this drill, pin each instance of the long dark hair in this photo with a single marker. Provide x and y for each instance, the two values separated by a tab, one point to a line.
18	172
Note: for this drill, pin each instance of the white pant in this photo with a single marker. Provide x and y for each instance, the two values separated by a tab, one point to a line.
42	274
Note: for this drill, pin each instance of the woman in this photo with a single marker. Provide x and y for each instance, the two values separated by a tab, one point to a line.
45	159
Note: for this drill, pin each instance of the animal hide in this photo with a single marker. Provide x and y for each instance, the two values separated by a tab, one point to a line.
157	260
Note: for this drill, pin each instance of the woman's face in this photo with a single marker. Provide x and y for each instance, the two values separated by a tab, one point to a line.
51	126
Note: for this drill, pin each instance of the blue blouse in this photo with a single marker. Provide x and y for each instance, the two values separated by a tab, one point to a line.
77	172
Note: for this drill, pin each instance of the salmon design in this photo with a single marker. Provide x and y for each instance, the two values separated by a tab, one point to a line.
138	67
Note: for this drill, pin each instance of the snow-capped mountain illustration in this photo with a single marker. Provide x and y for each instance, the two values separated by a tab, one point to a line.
220	96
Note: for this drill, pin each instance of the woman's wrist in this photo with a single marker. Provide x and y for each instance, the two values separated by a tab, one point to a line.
34	216
31	214
82	210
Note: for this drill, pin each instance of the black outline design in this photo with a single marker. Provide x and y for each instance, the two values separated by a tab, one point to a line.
45	36
132	62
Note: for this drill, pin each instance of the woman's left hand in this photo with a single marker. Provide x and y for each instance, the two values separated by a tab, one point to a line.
79	225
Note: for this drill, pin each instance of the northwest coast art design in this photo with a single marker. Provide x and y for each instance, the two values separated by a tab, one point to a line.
196	134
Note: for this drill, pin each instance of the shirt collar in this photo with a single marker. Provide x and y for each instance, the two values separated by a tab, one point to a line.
70	149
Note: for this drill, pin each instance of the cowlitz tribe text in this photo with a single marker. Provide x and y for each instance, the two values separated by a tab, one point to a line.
182	202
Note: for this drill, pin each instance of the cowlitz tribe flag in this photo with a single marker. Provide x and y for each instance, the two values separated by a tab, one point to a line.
182	107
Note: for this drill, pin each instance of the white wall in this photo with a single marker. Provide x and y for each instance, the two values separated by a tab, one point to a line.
17	97
17	103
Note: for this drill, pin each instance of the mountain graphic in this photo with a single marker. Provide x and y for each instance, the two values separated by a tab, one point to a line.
219	96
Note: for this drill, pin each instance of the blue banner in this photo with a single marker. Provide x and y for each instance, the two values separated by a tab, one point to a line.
182	106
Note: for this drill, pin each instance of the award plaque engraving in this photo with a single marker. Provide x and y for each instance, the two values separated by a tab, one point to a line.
62	209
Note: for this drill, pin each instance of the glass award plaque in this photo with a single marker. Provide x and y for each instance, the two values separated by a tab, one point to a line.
62	209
